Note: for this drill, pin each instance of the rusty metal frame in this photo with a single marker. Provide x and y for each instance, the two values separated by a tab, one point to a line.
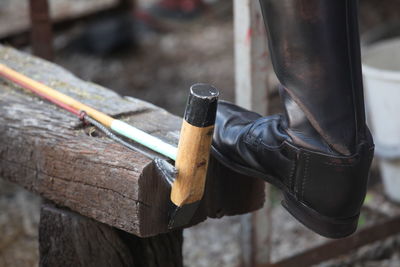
41	29
339	247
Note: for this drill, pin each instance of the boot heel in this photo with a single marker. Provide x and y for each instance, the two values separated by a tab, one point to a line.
325	226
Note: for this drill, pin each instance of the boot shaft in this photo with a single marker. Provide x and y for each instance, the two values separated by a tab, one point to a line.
315	51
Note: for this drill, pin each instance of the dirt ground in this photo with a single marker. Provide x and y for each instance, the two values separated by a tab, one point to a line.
159	68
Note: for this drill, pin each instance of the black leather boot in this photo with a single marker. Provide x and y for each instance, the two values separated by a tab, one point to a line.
319	152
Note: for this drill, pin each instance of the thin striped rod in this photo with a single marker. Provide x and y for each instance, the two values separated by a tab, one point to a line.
118	126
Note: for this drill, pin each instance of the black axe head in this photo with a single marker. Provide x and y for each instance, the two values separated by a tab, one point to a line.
178	216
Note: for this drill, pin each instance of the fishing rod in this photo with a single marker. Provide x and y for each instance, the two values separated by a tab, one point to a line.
91	115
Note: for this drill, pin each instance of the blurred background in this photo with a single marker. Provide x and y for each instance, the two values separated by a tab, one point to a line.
152	47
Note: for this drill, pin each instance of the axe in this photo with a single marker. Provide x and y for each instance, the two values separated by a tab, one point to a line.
188	177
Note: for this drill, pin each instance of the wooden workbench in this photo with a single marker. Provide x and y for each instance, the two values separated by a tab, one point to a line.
103	201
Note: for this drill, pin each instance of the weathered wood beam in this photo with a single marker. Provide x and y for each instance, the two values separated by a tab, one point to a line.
69	239
47	151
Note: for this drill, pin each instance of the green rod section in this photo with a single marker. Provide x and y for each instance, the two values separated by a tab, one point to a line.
144	139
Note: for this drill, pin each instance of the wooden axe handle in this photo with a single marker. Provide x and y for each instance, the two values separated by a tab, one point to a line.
194	145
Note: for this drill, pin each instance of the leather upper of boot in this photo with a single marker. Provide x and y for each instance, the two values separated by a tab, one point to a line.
331	184
247	138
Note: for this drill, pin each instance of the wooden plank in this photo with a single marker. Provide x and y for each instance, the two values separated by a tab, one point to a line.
63	16
61	10
47	151
252	70
69	239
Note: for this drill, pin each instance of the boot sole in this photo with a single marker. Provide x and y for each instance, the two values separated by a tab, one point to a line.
322	225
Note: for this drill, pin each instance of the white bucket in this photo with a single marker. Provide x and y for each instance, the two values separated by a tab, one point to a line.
381	71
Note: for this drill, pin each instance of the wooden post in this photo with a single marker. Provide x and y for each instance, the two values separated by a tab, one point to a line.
252	61
255	236
41	32
252	66
69	239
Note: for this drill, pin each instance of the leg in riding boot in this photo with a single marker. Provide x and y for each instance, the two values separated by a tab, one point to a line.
320	150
